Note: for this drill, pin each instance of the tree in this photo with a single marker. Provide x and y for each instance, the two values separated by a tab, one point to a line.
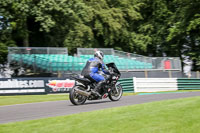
107	23
16	14
152	28
184	31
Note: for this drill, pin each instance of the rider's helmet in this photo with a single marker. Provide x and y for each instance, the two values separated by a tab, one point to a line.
99	55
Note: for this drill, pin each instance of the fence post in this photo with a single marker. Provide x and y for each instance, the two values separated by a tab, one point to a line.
189	75
170	74
34	64
134	84
59	74
146	74
197	74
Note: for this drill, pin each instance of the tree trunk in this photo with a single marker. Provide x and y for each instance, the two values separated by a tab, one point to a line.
26	34
26	41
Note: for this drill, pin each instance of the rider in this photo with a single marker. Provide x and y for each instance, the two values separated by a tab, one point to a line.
92	68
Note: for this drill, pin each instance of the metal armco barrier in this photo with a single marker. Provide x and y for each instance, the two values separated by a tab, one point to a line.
155	84
127	84
165	84
188	84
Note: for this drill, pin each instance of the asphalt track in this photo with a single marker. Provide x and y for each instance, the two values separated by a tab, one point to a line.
31	111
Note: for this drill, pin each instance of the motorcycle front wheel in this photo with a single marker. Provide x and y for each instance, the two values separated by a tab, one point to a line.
116	93
75	98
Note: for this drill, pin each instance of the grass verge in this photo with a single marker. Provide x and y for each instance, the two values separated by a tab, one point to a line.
21	99
171	116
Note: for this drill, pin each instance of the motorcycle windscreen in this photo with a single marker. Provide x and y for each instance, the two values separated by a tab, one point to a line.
112	65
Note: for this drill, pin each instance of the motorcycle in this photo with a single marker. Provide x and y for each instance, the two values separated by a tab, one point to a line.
83	86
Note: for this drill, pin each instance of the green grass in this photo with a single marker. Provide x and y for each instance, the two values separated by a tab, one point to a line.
20	99
171	116
129	93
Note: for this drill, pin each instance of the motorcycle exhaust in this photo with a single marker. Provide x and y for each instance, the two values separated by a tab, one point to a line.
84	93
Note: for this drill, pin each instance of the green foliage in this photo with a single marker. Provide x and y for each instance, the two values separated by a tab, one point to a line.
156	28
3	51
105	24
184	30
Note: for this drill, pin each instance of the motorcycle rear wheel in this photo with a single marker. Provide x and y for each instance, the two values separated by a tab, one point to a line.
75	98
116	93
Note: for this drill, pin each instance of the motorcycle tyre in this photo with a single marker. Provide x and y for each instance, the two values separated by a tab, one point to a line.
72	97
121	93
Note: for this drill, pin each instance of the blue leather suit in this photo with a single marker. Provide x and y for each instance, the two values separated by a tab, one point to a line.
92	68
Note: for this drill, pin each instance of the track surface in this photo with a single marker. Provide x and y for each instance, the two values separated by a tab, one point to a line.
21	112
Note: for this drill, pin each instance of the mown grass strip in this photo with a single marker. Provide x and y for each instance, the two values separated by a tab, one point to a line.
171	116
21	99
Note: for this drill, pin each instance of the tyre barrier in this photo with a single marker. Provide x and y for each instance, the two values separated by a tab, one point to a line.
127	84
188	84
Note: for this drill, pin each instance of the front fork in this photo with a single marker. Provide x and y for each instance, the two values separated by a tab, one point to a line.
114	88
117	87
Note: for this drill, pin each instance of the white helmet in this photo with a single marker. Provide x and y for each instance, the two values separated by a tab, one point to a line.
99	55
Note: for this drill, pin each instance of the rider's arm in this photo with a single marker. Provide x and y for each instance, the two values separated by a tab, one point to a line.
104	69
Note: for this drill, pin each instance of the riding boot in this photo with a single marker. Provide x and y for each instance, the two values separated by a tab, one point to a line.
97	88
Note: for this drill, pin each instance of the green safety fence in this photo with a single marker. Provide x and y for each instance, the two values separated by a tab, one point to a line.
127	84
188	83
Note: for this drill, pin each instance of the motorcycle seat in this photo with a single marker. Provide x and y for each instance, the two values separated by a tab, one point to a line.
83	80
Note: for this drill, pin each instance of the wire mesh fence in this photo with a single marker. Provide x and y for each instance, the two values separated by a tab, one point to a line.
19	52
37	50
91	51
126	54
58	60
141	62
